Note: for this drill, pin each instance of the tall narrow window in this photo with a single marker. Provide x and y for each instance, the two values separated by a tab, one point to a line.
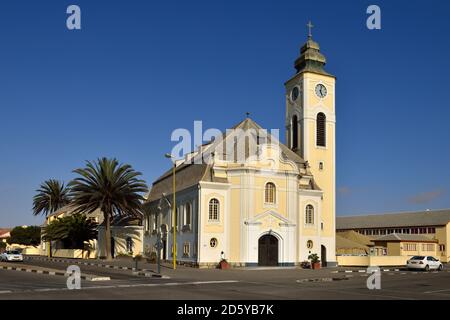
294	133
270	193
214	208
130	244
187	213
309	217
153	223
178	217
321	130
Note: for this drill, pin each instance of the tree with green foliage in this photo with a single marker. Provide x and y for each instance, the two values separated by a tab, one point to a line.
27	236
51	196
73	231
113	188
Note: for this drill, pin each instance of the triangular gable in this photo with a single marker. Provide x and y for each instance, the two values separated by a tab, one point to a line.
257	219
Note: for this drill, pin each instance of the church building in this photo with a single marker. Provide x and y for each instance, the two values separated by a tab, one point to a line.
250	199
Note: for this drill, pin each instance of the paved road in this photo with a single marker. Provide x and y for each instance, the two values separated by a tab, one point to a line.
189	283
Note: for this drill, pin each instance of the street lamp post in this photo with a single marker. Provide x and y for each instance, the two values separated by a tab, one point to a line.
158	242
174	212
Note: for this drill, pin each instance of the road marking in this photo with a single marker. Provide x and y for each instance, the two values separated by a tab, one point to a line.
47	289
437	291
98	278
138	285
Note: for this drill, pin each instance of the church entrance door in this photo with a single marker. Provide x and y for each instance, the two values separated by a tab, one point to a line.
268	251
323	255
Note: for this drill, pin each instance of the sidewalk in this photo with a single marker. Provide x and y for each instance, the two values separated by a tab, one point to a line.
114	264
49	271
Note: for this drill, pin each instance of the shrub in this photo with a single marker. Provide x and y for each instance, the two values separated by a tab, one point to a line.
27	236
314	258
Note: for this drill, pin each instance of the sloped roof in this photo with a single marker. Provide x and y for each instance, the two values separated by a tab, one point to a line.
4	232
388	220
189	174
248	124
405	237
64	209
356	237
344	243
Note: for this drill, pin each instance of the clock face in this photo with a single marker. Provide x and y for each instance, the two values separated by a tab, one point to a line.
321	91
295	93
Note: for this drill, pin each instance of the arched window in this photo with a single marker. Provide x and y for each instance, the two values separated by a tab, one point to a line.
214	210
321	130
270	193
309	216
187	214
294	132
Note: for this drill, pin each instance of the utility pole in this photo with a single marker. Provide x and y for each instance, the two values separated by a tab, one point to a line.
174	210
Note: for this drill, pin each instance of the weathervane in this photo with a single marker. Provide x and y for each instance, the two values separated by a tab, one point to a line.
310	26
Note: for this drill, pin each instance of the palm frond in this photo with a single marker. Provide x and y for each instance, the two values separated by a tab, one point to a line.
51	196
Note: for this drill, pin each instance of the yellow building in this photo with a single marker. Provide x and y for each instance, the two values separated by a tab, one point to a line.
246	197
127	235
408	245
404	234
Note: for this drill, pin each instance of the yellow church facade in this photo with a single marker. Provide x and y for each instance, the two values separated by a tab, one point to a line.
248	198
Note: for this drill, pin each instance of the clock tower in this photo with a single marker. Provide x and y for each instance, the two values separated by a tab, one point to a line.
310	129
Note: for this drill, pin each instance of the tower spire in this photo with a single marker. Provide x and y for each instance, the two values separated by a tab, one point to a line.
310	58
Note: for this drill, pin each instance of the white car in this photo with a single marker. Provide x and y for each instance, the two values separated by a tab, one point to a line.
11	255
424	263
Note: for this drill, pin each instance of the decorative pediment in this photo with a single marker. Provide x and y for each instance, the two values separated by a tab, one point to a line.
270	218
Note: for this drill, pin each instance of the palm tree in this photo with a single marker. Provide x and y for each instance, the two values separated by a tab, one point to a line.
113	188
51	196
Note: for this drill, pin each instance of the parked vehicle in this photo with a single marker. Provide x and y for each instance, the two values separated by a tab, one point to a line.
11	255
424	263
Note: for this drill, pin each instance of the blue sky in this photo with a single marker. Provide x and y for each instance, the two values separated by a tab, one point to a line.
140	69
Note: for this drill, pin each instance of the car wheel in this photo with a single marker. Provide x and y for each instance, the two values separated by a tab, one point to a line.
427	268
440	267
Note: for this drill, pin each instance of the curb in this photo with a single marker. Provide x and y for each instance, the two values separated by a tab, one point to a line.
84	263
364	270
55	273
151	275
137	272
321	280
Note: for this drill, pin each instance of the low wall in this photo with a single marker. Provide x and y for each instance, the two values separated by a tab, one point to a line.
366	261
32	251
73	253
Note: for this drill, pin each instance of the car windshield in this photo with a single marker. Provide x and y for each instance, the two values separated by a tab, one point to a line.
418	258
13	252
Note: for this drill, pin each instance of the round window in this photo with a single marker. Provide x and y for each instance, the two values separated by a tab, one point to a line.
213	242
309	244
